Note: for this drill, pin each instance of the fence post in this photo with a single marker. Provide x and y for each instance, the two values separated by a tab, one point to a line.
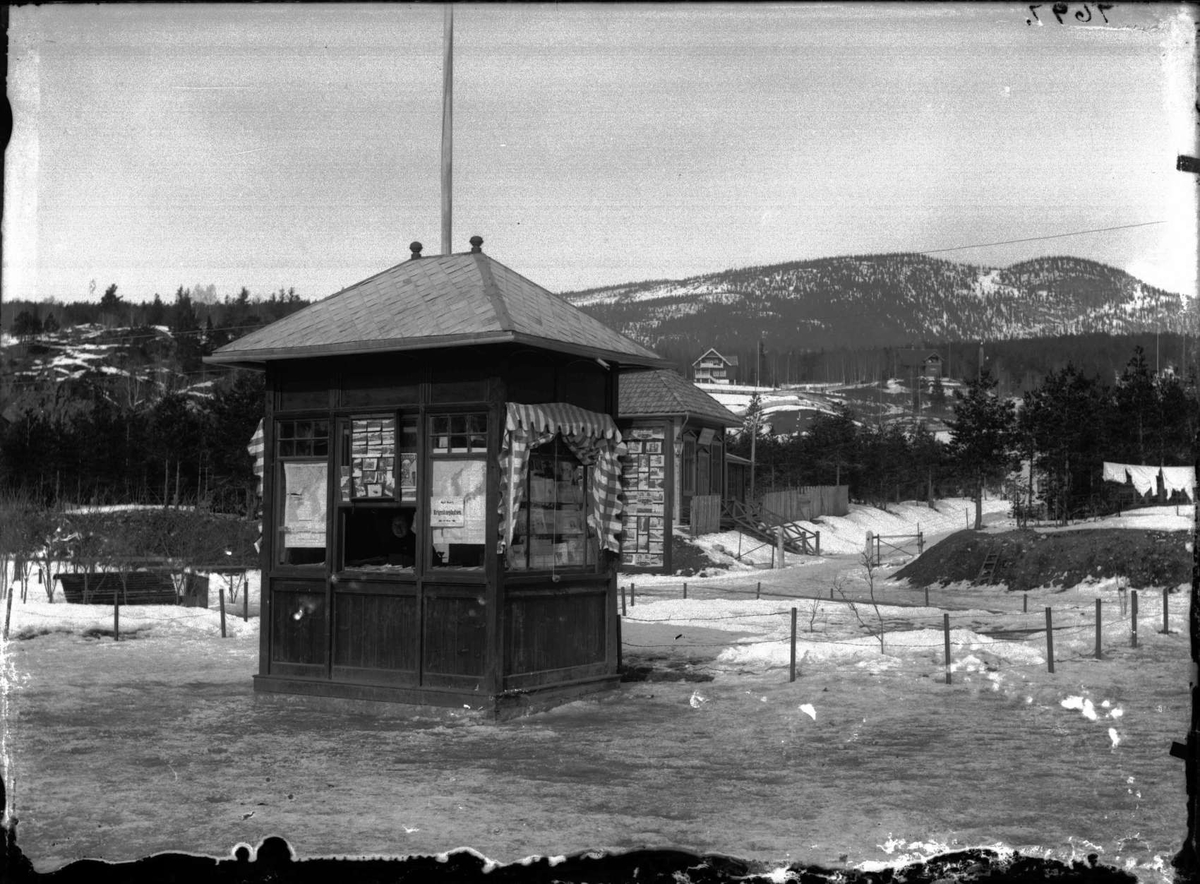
779	543
870	544
927	595
8	613
1025	603
116	616
1049	641
793	663
818	543
685	589
632	594
1166	624
221	595
946	632
246	601
1097	629
758	590
1133	615
920	540
1121	596
622	599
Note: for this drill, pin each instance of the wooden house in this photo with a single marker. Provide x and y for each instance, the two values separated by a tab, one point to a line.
440	486
713	368
675	468
916	363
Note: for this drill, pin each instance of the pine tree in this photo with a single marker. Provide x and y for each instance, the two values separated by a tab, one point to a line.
982	441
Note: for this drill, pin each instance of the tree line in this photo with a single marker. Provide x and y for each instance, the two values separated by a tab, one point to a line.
1045	451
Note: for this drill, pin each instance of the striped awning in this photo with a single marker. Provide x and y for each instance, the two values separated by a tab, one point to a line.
256	451
591	436
559	417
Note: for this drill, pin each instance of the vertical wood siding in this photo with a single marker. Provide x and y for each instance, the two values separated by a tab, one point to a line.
375	631
554	631
298	624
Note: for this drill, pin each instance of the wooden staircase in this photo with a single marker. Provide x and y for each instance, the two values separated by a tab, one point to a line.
753	519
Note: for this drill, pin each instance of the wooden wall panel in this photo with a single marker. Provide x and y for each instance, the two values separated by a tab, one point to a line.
455	635
554	630
375	631
298	627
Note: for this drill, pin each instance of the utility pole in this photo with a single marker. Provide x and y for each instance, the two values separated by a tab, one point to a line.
447	122
1187	861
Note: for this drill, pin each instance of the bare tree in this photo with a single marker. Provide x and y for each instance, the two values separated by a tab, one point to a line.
874	626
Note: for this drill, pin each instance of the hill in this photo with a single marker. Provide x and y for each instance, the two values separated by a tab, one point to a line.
885	301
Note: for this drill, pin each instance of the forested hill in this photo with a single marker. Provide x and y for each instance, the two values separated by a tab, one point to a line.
885	300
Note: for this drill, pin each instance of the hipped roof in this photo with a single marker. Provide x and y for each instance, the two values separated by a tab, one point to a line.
444	301
664	393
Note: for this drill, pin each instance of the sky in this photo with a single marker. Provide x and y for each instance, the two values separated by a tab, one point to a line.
299	145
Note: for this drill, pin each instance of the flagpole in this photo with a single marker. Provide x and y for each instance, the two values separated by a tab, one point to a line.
447	123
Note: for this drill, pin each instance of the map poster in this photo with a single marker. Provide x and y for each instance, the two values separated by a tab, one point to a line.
304	492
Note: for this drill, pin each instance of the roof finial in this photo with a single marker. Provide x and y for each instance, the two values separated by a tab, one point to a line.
477	244
416	250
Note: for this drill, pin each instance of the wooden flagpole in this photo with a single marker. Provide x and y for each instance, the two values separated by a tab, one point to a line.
447	123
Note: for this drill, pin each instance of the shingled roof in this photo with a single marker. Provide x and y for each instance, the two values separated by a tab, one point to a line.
664	393
445	301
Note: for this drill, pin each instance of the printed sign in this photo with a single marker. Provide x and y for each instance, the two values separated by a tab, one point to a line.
447	512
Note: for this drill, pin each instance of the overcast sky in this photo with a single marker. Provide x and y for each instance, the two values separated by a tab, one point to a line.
272	146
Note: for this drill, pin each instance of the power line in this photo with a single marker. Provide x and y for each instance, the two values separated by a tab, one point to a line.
1009	242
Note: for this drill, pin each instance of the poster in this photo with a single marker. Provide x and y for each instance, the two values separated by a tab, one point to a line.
304	492
373	455
643	475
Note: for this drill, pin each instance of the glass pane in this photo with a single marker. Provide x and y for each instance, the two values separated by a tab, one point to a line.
458	511
551	528
373	457
302	513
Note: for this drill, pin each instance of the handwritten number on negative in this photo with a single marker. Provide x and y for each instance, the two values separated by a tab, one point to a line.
1061	9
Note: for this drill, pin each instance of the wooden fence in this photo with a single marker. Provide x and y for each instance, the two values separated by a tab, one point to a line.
808	501
705	515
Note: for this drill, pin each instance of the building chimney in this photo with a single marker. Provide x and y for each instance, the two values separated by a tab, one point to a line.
476	244
416	250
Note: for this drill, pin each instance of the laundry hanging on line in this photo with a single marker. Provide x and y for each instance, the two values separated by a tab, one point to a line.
1145	478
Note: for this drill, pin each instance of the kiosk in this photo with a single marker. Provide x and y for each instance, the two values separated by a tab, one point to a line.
441	490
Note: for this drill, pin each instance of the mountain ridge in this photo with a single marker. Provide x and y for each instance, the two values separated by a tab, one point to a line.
903	297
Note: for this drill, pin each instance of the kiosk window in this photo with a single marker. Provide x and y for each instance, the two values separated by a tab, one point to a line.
551	529
458	489
379	537
301	449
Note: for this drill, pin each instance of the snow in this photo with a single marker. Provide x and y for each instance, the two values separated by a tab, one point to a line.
1096	714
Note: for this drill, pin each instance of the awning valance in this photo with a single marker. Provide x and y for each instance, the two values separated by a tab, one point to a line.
560	417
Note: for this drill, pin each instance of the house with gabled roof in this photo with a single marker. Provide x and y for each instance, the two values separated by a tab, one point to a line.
442	505
918	363
713	368
675	472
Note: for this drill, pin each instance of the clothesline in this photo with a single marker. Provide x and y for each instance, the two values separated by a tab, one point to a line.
1145	479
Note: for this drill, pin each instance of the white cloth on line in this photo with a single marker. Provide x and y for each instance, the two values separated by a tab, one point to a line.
1114	472
1179	479
1145	479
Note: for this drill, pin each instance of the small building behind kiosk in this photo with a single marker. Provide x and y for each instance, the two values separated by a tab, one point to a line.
674	471
441	490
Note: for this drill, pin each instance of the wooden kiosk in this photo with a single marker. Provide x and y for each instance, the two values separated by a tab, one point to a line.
441	490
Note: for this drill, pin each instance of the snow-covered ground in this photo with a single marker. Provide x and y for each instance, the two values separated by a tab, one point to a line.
1088	742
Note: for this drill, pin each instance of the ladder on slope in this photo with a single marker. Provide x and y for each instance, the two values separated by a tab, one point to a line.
987	571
